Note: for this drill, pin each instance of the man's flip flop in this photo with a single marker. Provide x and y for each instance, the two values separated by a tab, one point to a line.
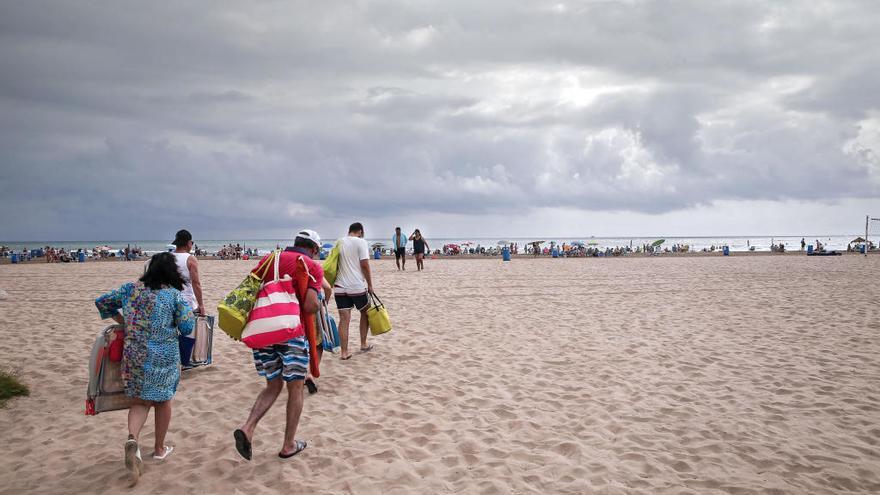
242	444
310	384
300	446
345	358
168	450
367	348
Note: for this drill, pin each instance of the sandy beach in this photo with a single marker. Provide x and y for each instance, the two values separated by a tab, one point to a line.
747	374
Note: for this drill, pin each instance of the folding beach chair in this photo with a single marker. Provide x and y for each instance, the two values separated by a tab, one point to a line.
204	336
105	392
327	327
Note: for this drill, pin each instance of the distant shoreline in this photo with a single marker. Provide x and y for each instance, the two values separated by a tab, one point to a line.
518	257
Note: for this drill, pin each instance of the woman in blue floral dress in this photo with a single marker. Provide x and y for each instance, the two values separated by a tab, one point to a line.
154	314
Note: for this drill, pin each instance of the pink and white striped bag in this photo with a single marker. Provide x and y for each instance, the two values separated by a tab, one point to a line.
275	317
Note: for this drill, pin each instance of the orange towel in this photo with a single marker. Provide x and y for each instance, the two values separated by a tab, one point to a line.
301	286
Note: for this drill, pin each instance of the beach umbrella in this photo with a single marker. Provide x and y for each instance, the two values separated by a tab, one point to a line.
593	243
377	245
577	243
857	240
504	243
658	242
537	242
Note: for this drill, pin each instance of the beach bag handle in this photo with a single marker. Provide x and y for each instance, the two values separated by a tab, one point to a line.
277	263
265	268
376	301
273	258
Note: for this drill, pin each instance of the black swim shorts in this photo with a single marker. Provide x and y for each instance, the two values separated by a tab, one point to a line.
345	301
399	253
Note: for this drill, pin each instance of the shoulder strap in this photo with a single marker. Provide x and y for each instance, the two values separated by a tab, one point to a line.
306	267
277	263
265	268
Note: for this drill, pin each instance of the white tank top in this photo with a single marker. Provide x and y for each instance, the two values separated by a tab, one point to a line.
187	292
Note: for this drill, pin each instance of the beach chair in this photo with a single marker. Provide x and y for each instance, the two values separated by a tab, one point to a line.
105	392
204	336
327	327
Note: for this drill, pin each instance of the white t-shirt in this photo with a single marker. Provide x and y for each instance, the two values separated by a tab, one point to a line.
349	278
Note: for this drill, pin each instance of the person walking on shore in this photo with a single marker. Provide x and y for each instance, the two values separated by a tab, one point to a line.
153	312
420	247
285	362
353	282
399	243
188	267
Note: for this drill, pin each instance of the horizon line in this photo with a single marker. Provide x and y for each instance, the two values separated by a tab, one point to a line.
454	237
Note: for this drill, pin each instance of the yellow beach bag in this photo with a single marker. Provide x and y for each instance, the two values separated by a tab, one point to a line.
232	313
377	316
331	265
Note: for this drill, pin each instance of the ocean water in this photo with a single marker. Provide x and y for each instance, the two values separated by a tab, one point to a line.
736	243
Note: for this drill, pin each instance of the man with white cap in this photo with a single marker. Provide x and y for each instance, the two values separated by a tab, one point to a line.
285	362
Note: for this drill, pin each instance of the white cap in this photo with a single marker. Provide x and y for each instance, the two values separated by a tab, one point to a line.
310	235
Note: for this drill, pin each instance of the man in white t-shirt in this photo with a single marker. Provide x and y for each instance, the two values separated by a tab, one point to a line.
353	283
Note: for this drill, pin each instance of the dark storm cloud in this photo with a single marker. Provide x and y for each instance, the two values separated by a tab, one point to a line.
127	117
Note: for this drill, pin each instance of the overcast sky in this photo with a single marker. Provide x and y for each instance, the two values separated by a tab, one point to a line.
129	120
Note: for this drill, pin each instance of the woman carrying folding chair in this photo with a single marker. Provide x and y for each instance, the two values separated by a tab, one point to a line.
154	314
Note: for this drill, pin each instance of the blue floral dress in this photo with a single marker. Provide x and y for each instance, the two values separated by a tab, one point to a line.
150	356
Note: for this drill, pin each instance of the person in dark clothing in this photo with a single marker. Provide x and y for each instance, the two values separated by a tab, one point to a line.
420	247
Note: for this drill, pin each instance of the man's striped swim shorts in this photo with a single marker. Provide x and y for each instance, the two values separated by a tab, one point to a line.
289	359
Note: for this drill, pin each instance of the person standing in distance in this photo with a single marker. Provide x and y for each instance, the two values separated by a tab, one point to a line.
399	243
420	247
353	282
188	267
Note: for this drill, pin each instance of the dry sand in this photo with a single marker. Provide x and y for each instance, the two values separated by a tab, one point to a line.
670	375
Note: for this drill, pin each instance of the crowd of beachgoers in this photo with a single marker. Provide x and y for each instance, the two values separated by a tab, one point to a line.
232	252
574	249
52	254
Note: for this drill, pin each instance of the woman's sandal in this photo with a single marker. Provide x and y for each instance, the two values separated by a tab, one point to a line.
133	461
168	450
300	446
